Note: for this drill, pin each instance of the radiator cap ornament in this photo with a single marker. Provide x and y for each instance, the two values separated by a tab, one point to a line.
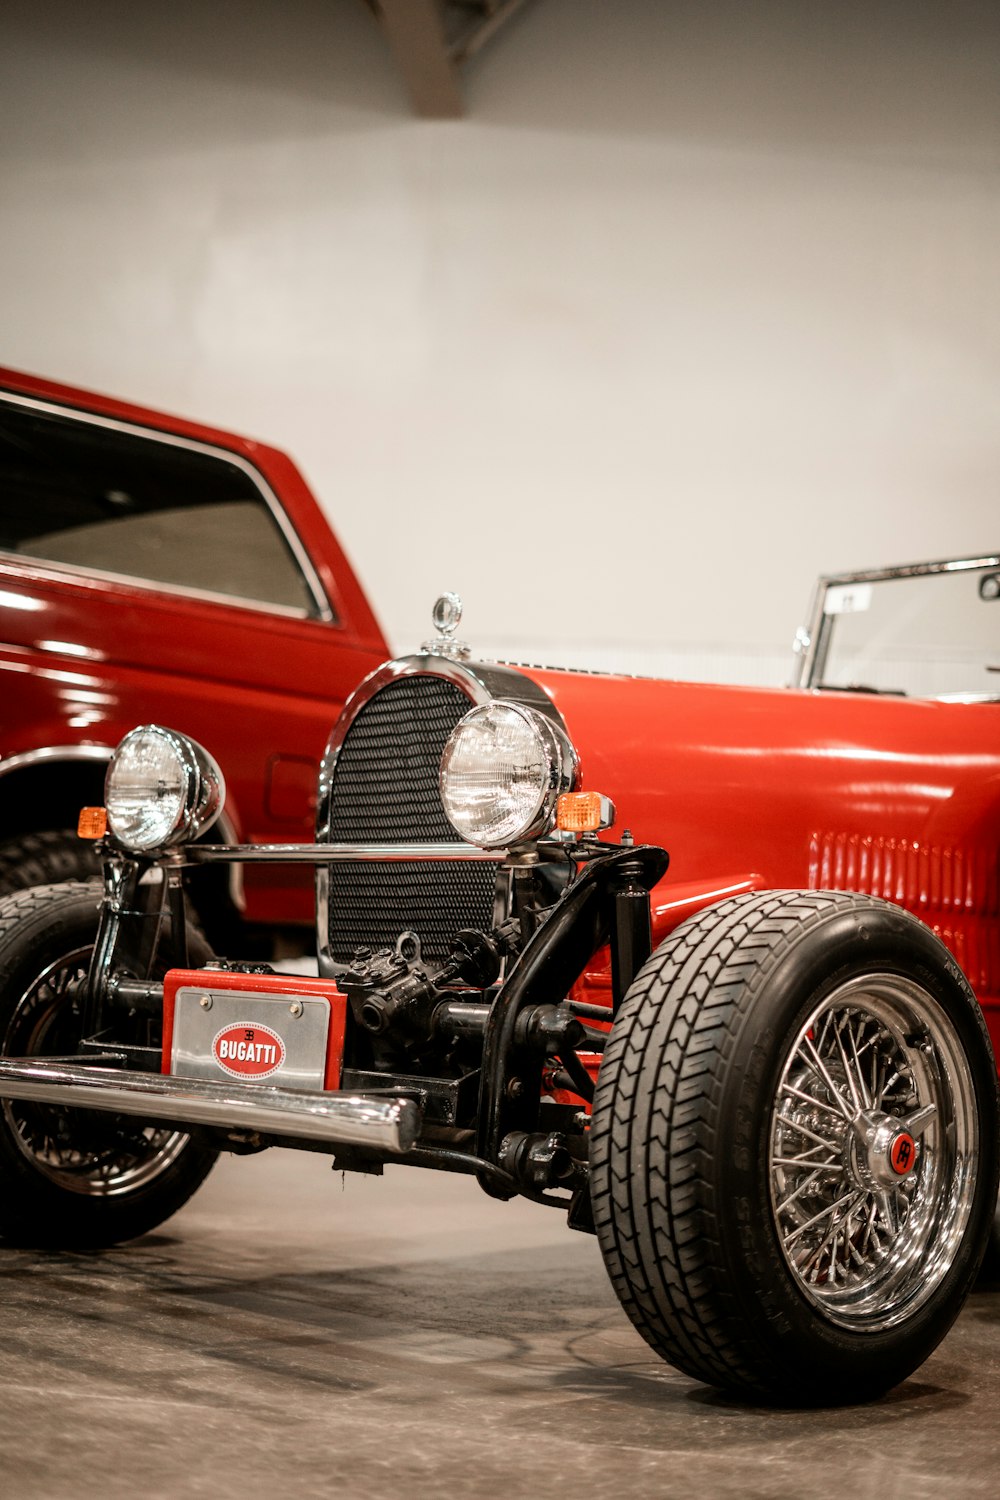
447	615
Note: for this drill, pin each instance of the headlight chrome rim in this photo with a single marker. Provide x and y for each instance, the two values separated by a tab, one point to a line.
190	804
557	771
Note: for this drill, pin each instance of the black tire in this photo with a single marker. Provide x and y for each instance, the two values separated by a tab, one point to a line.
54	854
989	1271
700	1146
58	854
68	1178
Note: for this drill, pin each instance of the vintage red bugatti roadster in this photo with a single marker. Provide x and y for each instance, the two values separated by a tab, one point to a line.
763	1077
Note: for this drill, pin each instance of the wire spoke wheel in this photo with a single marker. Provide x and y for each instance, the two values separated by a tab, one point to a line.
873	1152
81	1151
76	1178
794	1146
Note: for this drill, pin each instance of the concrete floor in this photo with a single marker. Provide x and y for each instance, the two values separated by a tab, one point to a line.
293	1334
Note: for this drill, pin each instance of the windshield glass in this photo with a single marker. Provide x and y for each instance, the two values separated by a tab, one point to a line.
933	635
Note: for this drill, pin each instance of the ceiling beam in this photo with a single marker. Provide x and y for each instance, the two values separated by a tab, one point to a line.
415	32
491	16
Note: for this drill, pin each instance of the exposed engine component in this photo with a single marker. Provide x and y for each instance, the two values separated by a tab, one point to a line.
393	990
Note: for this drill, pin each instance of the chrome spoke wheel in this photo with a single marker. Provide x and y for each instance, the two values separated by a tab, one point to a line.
86	1153
873	1151
794	1145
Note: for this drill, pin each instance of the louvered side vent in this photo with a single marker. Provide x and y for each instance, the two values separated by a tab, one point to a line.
385	790
955	889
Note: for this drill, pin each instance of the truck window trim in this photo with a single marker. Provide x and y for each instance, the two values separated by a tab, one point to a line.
323	610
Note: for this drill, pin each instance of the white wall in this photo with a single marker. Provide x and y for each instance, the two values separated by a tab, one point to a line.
700	300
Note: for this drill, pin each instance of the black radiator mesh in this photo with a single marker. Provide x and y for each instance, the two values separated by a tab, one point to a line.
385	790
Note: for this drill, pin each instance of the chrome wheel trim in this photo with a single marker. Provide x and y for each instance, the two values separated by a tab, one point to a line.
877	1068
131	1155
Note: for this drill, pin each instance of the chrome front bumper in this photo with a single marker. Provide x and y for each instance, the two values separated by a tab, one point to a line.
389	1125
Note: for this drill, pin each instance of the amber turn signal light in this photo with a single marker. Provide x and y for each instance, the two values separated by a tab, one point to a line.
584	812
92	823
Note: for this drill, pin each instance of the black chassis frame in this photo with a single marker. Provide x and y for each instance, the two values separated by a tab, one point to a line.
494	1120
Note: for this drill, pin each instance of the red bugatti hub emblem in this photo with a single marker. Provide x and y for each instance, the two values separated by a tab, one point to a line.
901	1153
248	1051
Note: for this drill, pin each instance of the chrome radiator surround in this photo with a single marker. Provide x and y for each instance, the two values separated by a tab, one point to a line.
373	912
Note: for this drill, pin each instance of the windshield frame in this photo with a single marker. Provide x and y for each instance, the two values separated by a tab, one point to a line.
812	640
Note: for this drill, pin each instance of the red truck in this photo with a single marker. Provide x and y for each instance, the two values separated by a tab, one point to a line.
153	568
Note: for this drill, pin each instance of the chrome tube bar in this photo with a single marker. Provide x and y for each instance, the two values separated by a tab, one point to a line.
332	854
389	1125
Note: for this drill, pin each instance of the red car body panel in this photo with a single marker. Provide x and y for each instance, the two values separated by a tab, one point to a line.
85	659
768	788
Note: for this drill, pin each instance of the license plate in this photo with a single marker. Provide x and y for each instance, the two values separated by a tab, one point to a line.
248	1038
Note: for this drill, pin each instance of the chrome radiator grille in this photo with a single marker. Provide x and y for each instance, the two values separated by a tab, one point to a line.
385	790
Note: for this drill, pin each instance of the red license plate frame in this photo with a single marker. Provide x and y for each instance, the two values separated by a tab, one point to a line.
260	986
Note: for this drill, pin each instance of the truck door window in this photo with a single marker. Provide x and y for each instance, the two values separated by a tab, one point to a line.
105	500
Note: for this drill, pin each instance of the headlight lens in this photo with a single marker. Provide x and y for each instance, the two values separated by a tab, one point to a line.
501	771
161	789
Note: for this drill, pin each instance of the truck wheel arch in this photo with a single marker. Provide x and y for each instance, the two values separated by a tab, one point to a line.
44	789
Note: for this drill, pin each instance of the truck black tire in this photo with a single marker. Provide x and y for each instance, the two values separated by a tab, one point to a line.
59	854
43	858
74	1179
794	1146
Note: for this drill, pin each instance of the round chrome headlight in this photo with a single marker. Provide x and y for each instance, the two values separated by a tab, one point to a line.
161	789
502	770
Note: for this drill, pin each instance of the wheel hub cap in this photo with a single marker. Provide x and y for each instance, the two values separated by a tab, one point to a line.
880	1152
